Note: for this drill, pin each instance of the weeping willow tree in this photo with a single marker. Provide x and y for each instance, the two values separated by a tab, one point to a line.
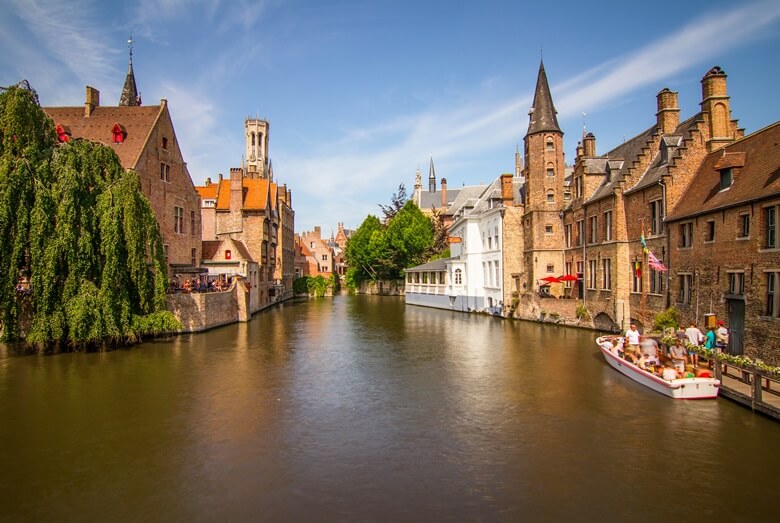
76	225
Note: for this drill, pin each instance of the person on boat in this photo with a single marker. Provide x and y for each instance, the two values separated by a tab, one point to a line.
679	355
669	373
649	348
642	362
632	338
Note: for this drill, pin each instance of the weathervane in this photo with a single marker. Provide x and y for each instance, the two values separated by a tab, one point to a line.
130	47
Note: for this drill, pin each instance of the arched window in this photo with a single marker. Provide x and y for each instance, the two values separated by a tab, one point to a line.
550	170
550	196
549	145
458	277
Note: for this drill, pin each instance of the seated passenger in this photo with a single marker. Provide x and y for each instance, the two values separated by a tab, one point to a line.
679	355
669	373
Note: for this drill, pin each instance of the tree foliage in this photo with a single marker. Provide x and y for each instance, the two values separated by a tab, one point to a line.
76	225
382	252
397	202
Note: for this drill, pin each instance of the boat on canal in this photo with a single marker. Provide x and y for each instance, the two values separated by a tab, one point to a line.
678	388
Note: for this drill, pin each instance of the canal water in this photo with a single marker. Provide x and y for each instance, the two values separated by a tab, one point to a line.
363	409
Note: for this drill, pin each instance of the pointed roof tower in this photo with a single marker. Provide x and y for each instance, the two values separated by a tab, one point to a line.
431	177
542	114
130	96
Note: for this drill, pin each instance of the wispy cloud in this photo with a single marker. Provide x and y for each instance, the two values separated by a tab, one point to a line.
379	154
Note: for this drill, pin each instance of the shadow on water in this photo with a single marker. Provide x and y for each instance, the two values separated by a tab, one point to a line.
362	408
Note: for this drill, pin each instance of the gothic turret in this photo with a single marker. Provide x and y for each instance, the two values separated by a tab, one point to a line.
130	95
542	114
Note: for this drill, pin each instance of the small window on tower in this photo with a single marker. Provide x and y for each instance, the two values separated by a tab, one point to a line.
549	145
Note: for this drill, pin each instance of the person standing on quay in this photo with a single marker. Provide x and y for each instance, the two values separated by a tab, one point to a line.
722	336
695	337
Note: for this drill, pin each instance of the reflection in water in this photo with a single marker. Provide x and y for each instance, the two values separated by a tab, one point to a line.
362	408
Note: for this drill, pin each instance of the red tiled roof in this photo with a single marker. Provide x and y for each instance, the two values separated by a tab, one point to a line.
208	192
137	121
759	177
255	194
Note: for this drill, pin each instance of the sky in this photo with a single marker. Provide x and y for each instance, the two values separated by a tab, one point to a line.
360	94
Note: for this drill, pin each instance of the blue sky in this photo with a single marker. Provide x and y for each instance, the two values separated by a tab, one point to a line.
361	93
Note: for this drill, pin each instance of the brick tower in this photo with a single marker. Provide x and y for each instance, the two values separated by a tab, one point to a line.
256	136
544	179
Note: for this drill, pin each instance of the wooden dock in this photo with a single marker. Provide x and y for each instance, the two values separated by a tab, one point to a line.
750	387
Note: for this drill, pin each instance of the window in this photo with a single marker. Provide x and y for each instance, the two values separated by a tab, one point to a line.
726	178
550	196
442	279
550	267
656	281
490	242
608	226
606	266
548	229
550	172
578	187
165	172
433	278
568	271
580	232
119	133
686	234
416	277
636	276
324	257
771	227
567	195
425	277
165	143
592	274
772	294
709	231
498	275
408	277
549	145
686	288
656	217
736	283
192	223
194	257
580	268
568	234
165	252
744	226
458	277
228	254
178	220
594	229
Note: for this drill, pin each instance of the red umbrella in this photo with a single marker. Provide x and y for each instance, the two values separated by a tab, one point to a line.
551	279
568	277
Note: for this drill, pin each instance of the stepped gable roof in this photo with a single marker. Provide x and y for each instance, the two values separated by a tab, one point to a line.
659	167
138	121
617	162
255	194
243	252
758	178
436	266
542	116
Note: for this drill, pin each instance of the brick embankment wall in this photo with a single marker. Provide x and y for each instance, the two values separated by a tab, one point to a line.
384	288
200	311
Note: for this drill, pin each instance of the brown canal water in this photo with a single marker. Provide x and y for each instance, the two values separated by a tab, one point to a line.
363	409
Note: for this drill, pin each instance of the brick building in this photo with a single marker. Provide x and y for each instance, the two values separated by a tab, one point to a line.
725	244
250	208
144	139
314	256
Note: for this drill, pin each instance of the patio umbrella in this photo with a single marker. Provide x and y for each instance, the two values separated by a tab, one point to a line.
568	277
550	279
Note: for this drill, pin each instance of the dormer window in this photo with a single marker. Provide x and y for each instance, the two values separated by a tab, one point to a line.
119	133
726	178
667	144
63	133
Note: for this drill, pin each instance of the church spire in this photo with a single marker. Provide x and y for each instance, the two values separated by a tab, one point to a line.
431	177
130	95
542	114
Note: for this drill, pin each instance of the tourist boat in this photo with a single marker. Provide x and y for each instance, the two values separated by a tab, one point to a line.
680	388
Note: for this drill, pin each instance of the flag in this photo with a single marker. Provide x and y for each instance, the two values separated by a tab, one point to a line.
638	269
654	262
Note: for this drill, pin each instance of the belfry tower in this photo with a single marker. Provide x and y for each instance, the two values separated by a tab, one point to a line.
544	179
256	136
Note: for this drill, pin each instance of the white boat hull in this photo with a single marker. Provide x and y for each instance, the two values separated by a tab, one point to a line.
681	388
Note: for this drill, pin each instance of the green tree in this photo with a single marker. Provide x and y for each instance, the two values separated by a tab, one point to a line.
360	258
76	223
408	240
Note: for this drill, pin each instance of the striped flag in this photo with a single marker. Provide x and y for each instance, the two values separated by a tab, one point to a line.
654	262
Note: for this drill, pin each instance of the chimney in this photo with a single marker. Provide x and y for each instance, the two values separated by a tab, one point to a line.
668	114
92	101
318	232
507	196
580	151
236	189
716	104
589	145
208	181
444	193
219	176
